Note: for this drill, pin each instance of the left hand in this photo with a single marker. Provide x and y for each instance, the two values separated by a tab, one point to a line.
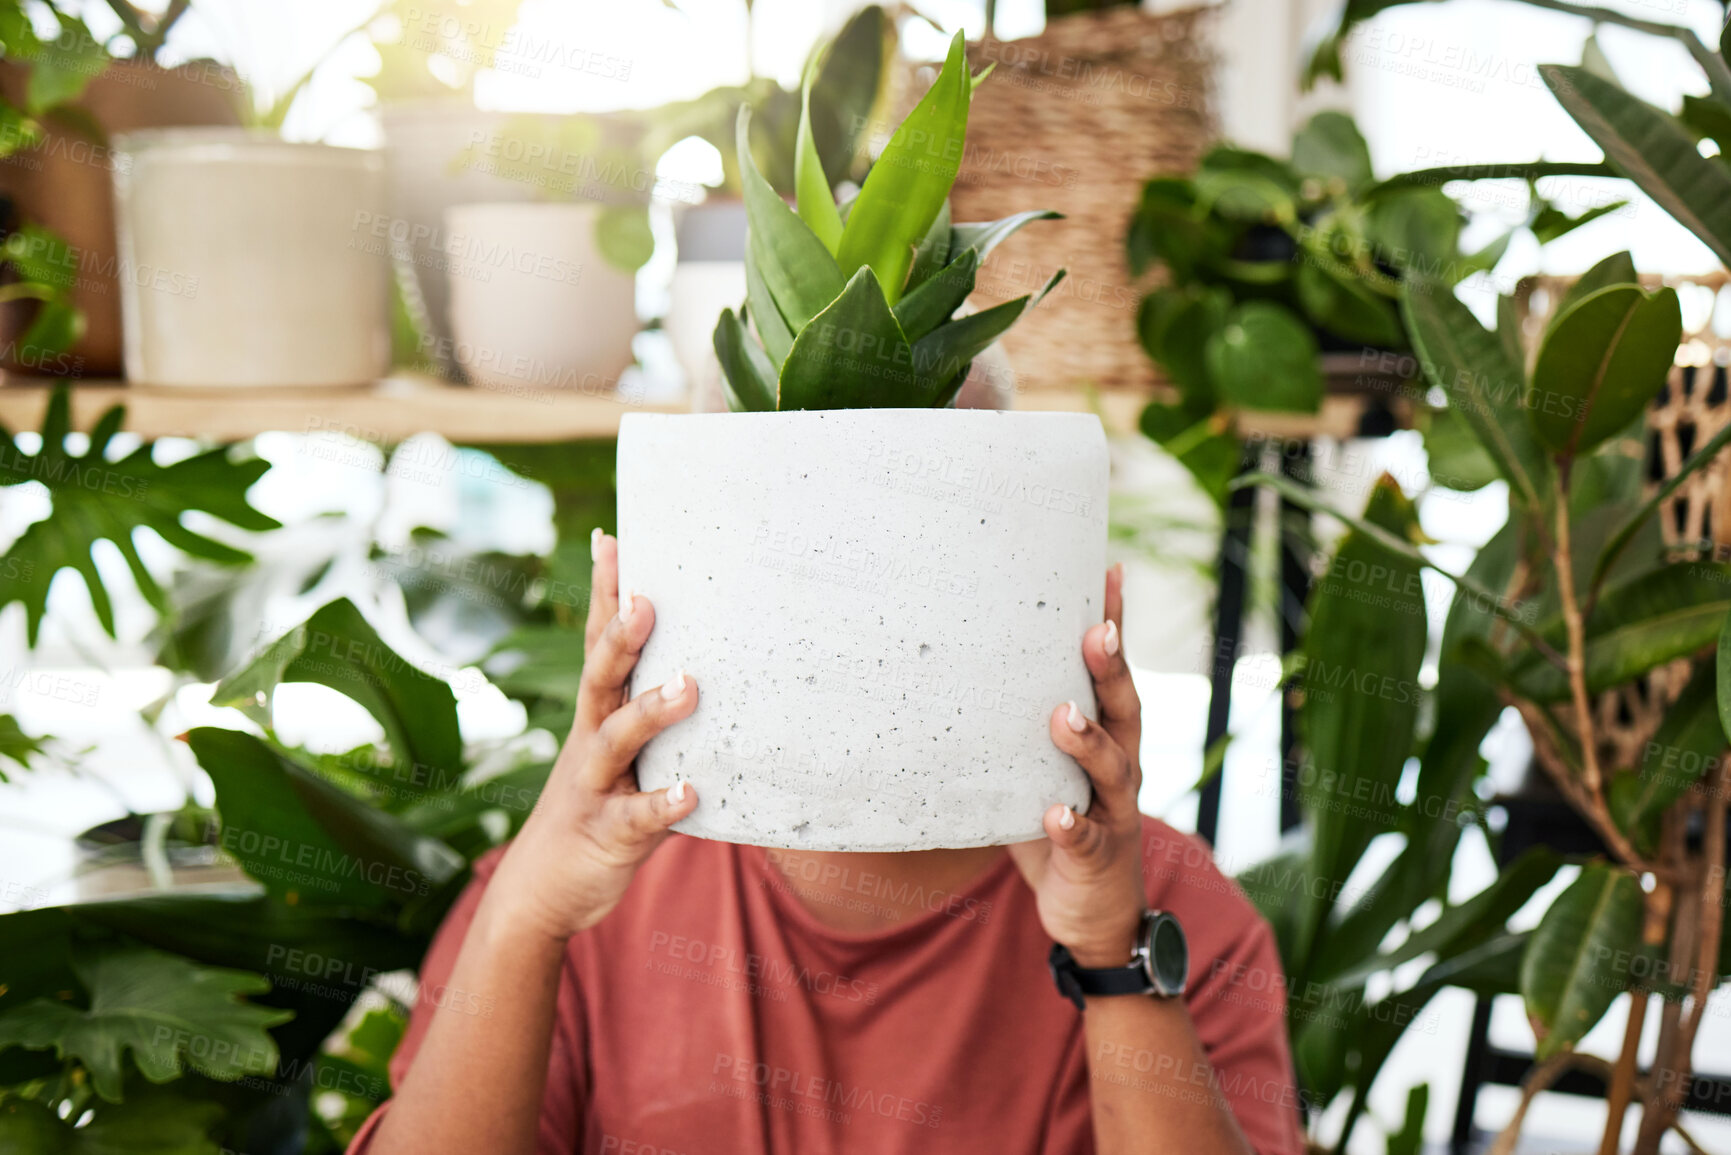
1086	873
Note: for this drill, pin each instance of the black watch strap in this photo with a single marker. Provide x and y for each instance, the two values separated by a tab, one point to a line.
1143	974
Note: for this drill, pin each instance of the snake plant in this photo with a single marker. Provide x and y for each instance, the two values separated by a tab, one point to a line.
854	304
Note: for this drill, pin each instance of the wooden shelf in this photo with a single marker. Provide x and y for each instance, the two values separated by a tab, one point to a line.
399	407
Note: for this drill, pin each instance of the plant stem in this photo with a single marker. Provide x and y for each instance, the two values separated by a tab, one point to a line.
1539	1079
1718	74
1577	655
1623	1075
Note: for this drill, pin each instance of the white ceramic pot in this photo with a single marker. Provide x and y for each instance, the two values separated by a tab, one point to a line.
429	168
881	608
534	306
241	260
700	290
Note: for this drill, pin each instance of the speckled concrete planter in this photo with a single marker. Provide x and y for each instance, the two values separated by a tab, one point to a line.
882	607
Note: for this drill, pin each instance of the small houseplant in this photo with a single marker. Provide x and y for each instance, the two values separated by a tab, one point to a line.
899	589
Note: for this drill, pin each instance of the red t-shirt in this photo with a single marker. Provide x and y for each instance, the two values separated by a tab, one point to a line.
711	1013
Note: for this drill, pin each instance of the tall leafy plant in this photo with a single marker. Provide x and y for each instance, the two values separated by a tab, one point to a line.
1619	617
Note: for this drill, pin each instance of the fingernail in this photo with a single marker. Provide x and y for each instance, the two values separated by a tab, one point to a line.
625	599
594	541
1067	820
677	794
1073	719
1110	644
676	687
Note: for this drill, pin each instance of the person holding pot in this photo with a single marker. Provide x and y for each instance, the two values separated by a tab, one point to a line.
607	986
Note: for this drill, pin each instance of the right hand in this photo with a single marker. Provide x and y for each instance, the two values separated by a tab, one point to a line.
592	828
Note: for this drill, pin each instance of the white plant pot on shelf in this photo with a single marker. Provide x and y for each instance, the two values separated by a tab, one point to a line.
534	305
244	260
881	609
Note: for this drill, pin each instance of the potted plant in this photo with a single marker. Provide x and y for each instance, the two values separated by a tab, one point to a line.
1281	278
884	596
62	99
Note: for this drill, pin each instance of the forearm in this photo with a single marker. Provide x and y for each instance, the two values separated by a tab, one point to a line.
1152	1086
477	1083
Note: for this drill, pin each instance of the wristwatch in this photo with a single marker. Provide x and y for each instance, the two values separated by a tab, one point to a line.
1159	965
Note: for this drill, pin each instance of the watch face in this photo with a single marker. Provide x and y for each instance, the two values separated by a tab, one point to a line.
1168	954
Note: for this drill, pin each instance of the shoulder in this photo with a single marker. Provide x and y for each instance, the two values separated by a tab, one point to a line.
1181	876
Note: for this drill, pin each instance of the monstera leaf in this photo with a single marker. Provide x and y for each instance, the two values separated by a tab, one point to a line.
100	500
169	1013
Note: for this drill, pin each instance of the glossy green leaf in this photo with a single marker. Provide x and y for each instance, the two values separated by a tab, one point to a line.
1330	146
1212	457
850	81
1418	231
1348	309
934	250
984	236
766	319
1247	186
745	368
1176	326
337	647
931	303
943	355
1616	269
799	272
853	355
1688	743
1569	975
303	837
1653	150
815	201
1550	223
910	181
1265	358
1484	387
1664	614
1642	517
96	500
1362	653
1455	458
167	1012
1709	119
1168	227
1600	364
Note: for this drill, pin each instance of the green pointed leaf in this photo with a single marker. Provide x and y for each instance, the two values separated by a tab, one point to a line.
850	80
1265	358
933	302
934	249
1708	118
746	371
943	355
910	181
98	500
1688	743
815	201
1362	654
1653	150
1211	457
1330	146
1409	1140
1483	385
797	269
308	841
1600	364
1568	974
1616	269
984	236
1550	223
853	355
766	318
337	647
1667	613
167	1012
